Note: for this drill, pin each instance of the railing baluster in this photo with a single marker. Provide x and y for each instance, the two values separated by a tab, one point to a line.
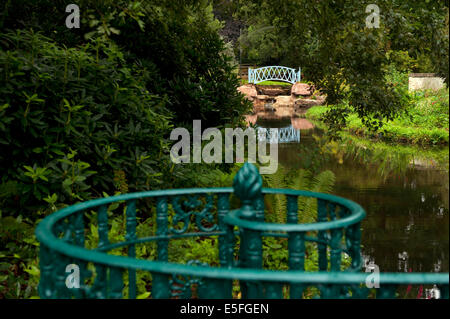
322	248
79	229
223	206
247	186
160	282
79	240
229	246
332	211
162	227
356	246
386	291
131	235
274	290
336	251
258	205
251	252
115	283
46	282
212	286
296	245
215	289
61	262
102	219
100	287
444	291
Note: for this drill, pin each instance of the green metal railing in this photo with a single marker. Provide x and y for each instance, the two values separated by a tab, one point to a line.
182	213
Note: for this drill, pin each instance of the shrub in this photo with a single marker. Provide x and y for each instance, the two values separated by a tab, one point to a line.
73	119
178	42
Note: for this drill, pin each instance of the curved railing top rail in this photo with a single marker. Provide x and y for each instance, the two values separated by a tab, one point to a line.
47	238
274	66
247	185
274	73
45	235
233	218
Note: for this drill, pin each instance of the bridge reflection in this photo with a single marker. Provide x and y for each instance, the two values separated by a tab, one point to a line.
278	135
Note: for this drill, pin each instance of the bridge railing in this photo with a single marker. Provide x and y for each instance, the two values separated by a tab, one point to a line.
274	73
81	237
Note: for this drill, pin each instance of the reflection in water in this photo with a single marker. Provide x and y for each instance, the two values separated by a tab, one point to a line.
278	135
407	223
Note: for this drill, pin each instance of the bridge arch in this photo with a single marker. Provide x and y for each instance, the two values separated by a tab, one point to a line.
274	73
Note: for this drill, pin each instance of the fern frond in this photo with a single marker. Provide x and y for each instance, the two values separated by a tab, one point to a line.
322	183
276	180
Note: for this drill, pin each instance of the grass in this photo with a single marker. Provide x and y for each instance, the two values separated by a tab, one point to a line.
245	81
425	123
389	158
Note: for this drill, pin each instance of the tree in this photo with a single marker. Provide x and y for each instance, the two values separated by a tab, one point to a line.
177	42
337	50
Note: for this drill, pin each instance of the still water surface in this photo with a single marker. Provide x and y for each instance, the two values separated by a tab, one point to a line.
407	222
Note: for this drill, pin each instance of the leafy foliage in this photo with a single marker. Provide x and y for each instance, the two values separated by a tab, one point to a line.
19	273
296	179
346	59
71	118
87	112
425	121
178	44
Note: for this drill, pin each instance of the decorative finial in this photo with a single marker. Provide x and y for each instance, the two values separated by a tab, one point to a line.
247	186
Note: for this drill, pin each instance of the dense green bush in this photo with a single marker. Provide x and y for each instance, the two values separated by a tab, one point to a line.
179	43
425	121
75	122
80	104
87	112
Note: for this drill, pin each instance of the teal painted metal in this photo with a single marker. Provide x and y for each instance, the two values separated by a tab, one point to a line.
274	73
206	212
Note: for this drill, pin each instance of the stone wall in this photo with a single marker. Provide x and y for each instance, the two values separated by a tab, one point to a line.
423	81
280	101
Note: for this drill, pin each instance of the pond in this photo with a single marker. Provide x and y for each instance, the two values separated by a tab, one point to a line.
403	189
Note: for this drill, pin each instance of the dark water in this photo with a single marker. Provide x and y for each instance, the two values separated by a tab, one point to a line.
407	223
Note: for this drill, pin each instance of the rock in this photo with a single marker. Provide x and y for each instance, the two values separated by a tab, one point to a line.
260	101
301	89
268	107
284	112
280	113
301	124
264	97
258	106
283	101
307	103
273	90
281	109
249	91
